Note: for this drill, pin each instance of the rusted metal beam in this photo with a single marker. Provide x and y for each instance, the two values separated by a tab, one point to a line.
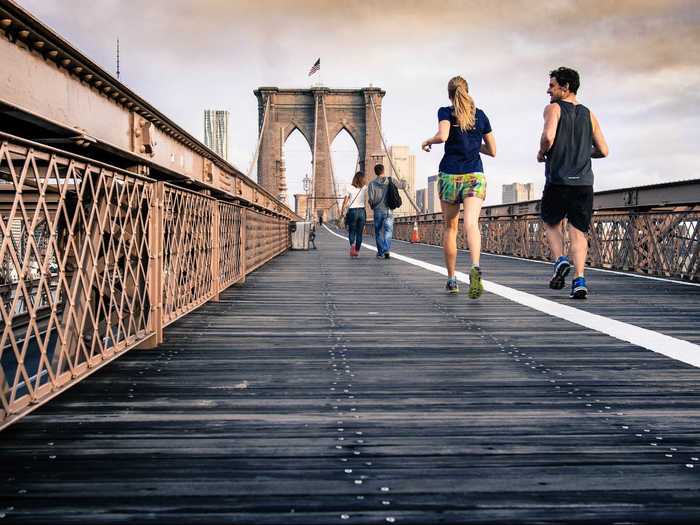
51	84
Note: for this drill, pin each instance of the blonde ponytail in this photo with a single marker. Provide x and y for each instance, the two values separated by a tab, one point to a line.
465	110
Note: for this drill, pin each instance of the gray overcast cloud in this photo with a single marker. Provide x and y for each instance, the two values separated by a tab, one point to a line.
639	63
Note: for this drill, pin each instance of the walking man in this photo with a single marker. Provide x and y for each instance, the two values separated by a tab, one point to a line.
570	138
383	215
312	236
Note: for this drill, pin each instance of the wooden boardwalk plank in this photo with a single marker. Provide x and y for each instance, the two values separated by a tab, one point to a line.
330	390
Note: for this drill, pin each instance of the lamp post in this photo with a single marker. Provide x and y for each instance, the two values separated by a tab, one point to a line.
307	189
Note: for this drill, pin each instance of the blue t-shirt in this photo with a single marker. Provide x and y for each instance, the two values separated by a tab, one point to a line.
462	147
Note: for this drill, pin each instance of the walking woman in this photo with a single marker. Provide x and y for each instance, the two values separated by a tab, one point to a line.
354	202
466	132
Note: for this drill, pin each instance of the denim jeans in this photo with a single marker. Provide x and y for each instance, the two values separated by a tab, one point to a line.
383	230
356	219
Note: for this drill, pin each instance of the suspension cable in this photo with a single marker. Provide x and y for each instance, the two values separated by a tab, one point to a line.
330	157
311	200
391	162
260	137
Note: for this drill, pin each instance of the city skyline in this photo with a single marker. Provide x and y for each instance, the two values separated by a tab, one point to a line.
642	85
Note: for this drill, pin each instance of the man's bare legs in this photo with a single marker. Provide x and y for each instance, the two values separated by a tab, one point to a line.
555	238
562	266
579	249
579	244
450	221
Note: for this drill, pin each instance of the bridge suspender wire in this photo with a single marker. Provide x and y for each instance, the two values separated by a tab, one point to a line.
330	158
311	202
260	137
391	162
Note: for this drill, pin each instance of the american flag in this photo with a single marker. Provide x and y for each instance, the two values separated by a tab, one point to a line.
316	67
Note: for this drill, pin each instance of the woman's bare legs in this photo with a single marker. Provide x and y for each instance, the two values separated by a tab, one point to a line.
472	210
450	221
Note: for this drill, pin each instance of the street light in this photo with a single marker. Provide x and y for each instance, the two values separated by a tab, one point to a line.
307	190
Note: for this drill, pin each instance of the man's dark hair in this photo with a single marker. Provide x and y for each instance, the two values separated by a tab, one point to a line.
378	169
564	76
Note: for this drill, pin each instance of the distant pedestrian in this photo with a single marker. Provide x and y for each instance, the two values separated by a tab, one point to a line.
570	138
312	236
377	193
354	211
466	132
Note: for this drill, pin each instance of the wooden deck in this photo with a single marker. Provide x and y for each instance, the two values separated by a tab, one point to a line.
330	390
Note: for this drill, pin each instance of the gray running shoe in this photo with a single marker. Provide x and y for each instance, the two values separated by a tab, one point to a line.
562	267
452	287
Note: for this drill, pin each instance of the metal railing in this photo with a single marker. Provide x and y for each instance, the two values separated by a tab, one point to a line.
660	240
95	260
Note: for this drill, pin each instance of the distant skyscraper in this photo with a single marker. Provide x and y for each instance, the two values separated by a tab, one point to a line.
405	165
518	192
422	200
433	195
216	131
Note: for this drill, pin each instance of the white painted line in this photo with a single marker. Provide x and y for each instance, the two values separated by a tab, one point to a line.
588	268
672	347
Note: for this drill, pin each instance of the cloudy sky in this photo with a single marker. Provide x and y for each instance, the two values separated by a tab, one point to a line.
639	62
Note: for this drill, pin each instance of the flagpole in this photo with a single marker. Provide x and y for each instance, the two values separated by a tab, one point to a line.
316	68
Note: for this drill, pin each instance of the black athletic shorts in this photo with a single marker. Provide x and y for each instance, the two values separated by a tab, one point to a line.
573	202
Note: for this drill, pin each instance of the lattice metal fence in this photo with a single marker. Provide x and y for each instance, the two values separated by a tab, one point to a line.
265	238
662	242
95	260
188	279
232	239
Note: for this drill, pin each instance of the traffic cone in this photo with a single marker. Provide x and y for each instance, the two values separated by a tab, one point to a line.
414	234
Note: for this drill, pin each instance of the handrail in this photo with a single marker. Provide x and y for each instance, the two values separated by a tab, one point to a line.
661	241
114	256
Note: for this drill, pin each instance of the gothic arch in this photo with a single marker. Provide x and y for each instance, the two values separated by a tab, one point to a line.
293	126
352	131
312	111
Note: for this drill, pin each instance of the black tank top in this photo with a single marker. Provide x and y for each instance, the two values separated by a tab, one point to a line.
568	162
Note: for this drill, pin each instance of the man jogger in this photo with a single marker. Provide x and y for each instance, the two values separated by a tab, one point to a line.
570	138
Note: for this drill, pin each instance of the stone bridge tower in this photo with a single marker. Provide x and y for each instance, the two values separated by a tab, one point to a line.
319	113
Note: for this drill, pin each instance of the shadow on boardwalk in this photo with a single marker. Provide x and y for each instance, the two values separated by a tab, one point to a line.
308	396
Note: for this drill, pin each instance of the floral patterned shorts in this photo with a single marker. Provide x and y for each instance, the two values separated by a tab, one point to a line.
455	188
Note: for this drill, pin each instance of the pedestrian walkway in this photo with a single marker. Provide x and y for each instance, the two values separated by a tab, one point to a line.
336	390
